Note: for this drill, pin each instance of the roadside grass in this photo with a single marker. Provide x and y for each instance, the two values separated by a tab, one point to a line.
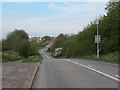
111	58
6	58
35	58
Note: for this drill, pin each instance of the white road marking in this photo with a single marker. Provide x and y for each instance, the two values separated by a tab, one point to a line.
89	65
75	61
72	61
102	73
67	60
117	76
45	54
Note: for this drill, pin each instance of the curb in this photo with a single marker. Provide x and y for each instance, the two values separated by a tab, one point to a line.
33	78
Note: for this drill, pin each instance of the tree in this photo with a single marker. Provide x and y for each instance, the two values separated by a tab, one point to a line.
47	38
58	41
24	48
33	50
18	41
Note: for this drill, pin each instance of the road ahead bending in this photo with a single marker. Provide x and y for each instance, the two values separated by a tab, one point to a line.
75	73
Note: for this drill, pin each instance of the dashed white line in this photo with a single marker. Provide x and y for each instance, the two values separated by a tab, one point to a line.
102	73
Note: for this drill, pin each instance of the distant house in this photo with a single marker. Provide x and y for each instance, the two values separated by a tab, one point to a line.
37	39
48	43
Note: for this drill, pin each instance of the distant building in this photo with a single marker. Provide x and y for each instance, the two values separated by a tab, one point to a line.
47	42
37	39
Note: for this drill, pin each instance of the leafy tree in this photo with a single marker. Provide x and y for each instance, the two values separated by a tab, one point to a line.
33	48
58	41
47	38
18	41
24	48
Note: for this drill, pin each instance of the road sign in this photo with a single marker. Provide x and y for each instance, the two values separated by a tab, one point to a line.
97	21
97	38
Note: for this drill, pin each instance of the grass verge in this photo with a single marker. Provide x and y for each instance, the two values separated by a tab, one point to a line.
111	58
35	58
6	58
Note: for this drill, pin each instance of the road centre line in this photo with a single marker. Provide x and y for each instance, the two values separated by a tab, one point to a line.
45	54
102	73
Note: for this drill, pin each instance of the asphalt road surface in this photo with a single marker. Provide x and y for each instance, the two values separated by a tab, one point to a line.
75	73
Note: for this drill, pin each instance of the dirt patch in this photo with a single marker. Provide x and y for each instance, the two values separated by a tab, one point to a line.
17	74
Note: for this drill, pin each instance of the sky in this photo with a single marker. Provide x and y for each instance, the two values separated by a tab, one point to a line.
49	18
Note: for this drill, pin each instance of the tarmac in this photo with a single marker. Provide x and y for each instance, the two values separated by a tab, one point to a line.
17	74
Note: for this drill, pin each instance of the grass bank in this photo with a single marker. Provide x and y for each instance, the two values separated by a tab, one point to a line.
35	58
111	58
6	58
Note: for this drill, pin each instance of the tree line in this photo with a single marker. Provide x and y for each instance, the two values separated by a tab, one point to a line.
83	43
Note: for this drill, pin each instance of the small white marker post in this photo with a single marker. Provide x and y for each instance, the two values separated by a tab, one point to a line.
97	38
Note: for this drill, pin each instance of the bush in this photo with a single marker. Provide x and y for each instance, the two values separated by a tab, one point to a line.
35	58
4	48
24	48
6	58
33	49
10	52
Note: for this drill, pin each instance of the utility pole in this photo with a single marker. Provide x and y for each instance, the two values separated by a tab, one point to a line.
97	39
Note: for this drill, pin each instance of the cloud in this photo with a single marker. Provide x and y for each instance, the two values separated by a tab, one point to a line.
76	8
72	17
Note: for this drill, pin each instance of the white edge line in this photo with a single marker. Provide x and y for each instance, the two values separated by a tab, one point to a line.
102	73
117	76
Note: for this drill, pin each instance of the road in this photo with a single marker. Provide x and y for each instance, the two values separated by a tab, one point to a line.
75	73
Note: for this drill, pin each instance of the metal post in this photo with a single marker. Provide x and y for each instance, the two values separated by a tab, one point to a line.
97	44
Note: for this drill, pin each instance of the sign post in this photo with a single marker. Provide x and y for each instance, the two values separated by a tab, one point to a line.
97	39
